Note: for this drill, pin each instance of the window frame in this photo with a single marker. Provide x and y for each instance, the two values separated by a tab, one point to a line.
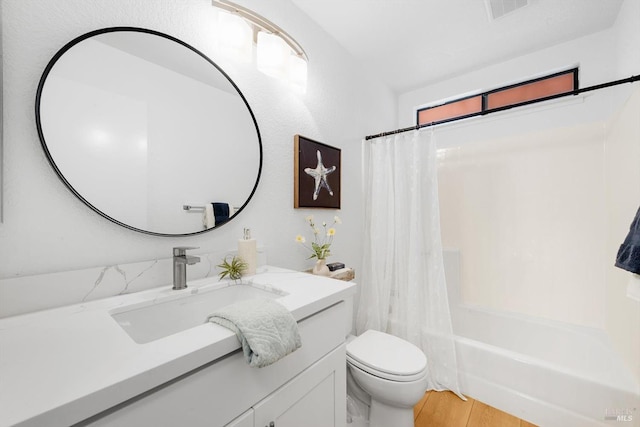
484	95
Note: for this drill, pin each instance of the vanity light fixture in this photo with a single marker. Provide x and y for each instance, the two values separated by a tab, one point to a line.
237	42
277	53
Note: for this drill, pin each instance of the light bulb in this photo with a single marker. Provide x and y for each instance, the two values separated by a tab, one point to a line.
272	55
235	37
298	73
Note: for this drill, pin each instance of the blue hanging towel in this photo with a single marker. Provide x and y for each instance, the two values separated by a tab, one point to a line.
629	253
221	212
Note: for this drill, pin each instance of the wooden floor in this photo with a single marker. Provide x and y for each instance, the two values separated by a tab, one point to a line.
445	409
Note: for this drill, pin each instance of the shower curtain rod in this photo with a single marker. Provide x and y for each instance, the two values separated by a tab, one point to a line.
494	110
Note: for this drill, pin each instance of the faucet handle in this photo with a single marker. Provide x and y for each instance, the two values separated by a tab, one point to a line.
182	250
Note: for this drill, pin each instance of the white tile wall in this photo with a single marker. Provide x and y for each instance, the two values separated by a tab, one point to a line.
39	292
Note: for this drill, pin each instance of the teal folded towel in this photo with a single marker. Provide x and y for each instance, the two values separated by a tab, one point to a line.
265	328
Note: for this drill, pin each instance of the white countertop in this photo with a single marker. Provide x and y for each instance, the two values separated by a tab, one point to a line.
60	366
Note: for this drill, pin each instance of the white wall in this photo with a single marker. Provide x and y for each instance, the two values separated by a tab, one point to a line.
526	212
628	39
622	178
593	54
622	157
46	229
533	197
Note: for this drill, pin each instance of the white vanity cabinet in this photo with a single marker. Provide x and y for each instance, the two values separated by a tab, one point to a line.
80	366
245	420
306	388
314	398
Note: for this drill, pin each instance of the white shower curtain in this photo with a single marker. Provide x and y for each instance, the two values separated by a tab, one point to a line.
403	288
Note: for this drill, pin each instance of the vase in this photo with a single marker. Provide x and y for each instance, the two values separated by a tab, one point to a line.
321	269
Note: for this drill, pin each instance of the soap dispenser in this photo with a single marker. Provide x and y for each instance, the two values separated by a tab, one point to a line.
247	251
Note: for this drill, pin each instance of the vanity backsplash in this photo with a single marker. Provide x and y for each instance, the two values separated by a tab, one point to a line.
26	294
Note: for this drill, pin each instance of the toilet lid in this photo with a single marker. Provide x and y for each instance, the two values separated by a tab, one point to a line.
386	355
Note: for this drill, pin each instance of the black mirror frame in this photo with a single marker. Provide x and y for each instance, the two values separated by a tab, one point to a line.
90	34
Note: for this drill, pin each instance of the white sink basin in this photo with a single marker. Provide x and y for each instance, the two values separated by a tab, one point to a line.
152	320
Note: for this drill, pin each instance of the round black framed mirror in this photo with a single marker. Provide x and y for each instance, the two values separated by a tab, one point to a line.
148	131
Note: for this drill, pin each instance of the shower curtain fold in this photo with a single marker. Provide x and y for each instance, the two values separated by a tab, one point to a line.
404	289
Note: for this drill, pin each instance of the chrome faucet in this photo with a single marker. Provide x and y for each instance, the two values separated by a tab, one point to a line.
180	262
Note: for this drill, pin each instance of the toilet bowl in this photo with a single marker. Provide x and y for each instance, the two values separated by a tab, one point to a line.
391	372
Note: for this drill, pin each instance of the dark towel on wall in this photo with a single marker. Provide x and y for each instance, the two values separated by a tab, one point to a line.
629	253
221	212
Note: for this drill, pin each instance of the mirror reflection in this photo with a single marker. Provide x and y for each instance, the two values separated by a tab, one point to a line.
140	125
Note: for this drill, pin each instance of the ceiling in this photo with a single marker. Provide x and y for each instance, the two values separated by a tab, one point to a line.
413	43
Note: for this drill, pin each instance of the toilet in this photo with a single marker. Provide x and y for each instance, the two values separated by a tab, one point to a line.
386	376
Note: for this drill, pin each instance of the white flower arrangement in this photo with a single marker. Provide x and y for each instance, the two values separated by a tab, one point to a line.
322	238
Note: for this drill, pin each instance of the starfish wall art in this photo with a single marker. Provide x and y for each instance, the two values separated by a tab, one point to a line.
316	174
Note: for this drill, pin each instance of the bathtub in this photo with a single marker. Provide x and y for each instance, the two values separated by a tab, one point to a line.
548	373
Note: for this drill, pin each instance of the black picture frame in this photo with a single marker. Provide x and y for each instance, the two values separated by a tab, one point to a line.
317	174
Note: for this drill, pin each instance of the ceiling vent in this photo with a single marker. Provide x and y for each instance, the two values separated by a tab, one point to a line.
500	8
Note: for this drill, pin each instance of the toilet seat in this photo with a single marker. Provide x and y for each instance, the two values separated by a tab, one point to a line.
387	356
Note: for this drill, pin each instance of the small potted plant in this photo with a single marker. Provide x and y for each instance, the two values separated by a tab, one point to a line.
233	269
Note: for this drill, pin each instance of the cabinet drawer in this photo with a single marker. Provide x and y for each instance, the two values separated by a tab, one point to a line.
315	398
